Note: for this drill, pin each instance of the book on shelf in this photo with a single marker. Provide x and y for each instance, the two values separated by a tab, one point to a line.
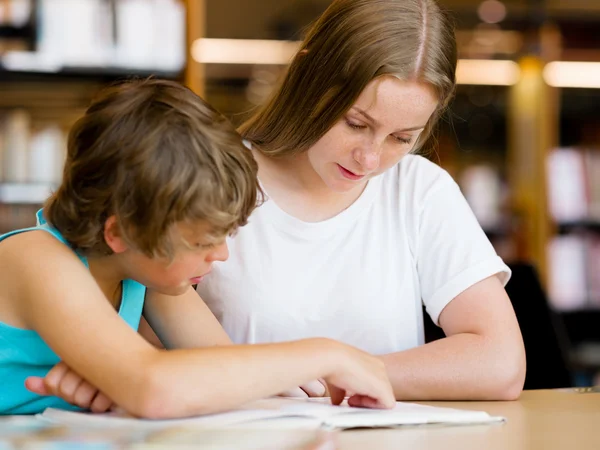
147	35
573	179
567	273
574	271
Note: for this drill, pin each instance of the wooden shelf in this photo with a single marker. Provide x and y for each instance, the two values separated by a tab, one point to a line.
25	32
585	225
497	232
85	73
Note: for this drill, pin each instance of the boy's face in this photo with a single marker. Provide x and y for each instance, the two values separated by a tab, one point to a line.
191	262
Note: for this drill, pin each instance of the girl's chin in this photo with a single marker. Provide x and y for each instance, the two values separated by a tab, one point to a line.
344	186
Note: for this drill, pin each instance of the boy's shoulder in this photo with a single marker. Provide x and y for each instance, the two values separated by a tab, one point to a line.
28	240
36	245
22	256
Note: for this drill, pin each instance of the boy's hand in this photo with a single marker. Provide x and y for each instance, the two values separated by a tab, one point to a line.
316	388
62	382
360	376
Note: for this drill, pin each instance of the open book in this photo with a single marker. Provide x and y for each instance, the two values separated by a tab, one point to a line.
312	412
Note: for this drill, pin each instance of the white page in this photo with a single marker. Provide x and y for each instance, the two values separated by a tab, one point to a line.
122	419
348	417
269	412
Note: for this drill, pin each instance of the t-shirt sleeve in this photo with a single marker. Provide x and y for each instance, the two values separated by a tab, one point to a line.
453	251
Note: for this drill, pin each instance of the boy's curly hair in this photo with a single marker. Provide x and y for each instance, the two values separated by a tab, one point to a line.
152	153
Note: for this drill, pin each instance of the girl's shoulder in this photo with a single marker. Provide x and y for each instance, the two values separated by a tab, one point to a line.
417	177
417	165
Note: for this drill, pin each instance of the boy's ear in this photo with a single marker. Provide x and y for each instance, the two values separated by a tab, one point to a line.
112	235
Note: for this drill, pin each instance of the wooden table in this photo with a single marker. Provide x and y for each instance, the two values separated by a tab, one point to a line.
544	420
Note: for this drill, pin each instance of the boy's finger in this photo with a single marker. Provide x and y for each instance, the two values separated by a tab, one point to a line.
314	389
55	376
36	385
295	392
101	403
84	395
363	401
337	395
68	386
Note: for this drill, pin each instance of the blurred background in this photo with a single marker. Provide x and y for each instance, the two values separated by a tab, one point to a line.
522	137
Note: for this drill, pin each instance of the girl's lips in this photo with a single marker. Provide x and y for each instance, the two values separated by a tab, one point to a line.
349	175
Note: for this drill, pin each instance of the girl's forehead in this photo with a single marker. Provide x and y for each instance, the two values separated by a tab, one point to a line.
388	97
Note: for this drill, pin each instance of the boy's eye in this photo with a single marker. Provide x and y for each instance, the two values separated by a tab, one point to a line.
201	246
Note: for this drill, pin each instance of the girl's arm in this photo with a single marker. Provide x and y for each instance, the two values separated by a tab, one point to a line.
482	357
62	302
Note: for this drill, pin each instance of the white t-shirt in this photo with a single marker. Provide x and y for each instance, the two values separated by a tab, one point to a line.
360	277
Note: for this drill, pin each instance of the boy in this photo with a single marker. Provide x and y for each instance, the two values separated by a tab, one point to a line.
153	183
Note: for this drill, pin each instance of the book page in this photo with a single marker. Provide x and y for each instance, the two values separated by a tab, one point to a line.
307	413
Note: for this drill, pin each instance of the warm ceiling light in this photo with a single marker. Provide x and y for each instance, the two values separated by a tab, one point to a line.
569	74
492	11
487	72
255	51
243	51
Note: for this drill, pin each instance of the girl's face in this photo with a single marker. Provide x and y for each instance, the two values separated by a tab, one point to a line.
374	134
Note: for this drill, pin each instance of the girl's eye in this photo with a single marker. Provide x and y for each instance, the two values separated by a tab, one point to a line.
355	126
402	140
201	246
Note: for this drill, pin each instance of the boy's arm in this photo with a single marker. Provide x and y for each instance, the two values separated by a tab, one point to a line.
183	321
63	303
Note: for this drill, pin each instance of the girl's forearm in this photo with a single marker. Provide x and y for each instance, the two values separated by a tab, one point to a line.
460	367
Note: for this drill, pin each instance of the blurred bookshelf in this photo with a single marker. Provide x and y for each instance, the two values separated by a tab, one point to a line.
25	194
573	187
54	56
473	147
574	206
82	36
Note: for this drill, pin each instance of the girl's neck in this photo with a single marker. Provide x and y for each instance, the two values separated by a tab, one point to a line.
297	189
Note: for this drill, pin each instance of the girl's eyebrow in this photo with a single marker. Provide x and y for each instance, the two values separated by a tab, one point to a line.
371	119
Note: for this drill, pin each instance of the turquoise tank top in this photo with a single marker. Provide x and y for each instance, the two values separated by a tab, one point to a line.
23	353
